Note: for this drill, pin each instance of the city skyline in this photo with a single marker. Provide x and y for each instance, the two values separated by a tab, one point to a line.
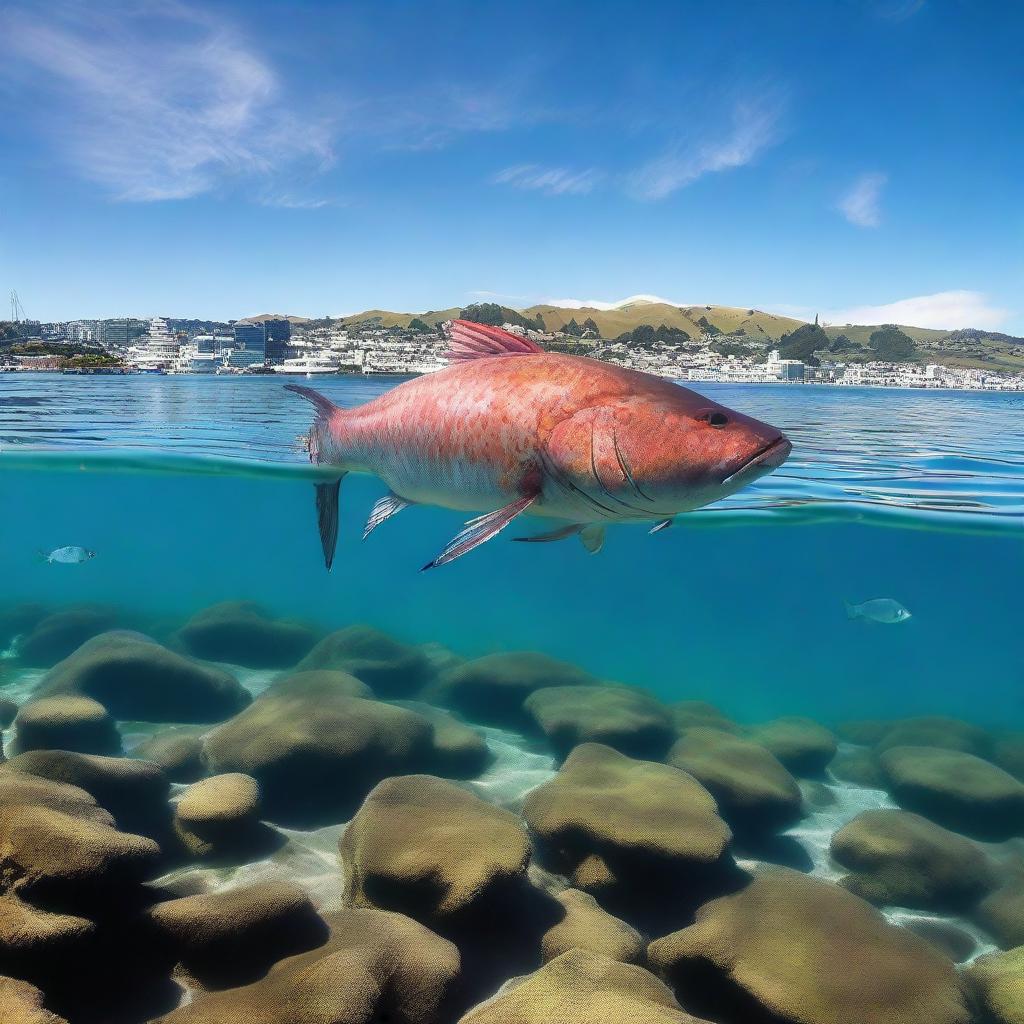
324	159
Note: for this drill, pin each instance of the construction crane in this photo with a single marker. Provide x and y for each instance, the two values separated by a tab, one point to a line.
17	309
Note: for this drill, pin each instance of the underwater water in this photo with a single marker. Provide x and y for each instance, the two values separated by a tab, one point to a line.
193	492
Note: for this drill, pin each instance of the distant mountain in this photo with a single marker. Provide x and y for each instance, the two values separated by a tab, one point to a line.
260	317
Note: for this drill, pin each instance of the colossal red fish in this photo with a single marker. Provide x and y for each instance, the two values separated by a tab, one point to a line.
509	429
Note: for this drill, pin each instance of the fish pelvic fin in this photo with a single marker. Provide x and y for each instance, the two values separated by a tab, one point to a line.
552	535
468	340
478	531
592	538
327	517
384	508
325	410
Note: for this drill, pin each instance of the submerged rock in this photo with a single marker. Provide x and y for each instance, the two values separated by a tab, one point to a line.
388	666
179	751
800	744
622	717
429	849
644	837
22	1003
137	679
316	757
699	714
20	620
8	712
936	731
791	949
955	789
459	751
754	792
582	987
134	792
997	982
492	689
586	926
375	967
1008	753
859	767
220	817
242	633
315	683
233	937
60	634
65	722
1002	914
896	857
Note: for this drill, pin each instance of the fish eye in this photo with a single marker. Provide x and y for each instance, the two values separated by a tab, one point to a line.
713	417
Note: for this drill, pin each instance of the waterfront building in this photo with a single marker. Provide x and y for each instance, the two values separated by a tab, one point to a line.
277	335
119	333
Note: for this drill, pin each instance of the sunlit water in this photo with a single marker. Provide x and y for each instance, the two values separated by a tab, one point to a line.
194	491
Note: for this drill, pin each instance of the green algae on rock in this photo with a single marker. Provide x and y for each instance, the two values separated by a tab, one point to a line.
997	981
242	633
586	926
65	722
802	745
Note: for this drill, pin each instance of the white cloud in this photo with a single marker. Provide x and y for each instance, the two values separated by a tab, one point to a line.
162	102
942	311
599	304
552	181
755	126
860	205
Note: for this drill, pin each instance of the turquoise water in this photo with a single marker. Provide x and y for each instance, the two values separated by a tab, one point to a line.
195	490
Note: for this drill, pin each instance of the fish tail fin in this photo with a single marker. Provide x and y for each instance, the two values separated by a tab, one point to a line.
327	517
325	412
851	611
42	556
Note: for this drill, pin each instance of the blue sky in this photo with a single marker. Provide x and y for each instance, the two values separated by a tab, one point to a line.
861	158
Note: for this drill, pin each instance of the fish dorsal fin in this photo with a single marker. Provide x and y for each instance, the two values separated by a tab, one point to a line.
468	340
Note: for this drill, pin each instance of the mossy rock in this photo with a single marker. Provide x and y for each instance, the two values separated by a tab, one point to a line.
802	745
427	848
492	689
242	633
582	987
645	839
62	633
936	731
136	679
955	789
1002	914
389	667
459	750
858	766
65	722
754	792
316	683
22	1003
865	732
231	938
899	858
8	712
997	982
1008	753
586	926
376	967
220	817
316	757
792	949
134	792
622	717
179	751
699	714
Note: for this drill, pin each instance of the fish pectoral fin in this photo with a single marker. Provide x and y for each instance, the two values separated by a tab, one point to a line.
663	525
327	517
552	535
592	538
384	508
478	531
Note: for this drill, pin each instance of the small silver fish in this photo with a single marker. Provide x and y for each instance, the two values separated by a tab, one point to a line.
70	555
880	609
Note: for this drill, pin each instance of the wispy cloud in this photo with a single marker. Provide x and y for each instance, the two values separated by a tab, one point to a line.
942	311
292	202
860	205
755	127
157	101
552	181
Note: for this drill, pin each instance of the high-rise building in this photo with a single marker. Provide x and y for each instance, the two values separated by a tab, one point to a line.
278	334
251	339
119	333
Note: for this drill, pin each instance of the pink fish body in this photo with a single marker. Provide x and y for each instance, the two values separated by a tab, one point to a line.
509	428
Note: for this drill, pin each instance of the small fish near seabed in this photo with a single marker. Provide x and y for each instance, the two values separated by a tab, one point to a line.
885	610
70	555
509	429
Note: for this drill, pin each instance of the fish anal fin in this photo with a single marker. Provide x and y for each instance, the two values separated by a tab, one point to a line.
478	531
468	340
592	537
327	517
384	508
552	535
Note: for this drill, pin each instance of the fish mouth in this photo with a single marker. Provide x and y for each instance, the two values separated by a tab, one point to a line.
769	457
